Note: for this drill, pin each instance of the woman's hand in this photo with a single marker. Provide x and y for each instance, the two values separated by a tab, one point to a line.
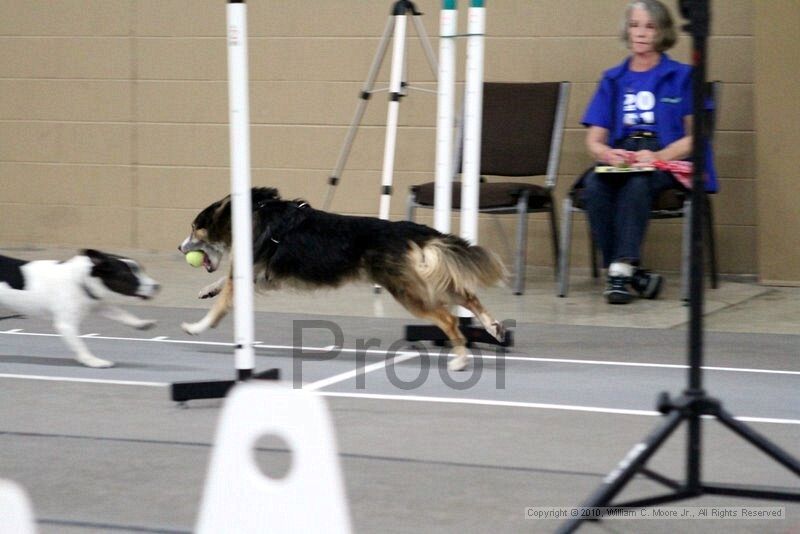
642	158
617	156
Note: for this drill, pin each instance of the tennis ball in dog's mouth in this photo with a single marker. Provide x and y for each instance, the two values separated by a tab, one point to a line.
194	258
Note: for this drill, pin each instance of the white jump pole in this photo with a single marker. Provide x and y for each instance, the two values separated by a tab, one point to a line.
471	149
445	116
395	88
473	110
241	203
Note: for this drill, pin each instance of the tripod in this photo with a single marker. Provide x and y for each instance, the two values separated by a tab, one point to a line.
694	402
395	29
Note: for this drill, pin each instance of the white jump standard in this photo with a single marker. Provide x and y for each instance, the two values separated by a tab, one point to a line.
471	152
241	212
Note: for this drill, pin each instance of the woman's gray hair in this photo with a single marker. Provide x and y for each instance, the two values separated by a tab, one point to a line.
666	36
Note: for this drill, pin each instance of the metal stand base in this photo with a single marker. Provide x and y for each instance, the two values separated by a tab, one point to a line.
216	389
473	333
689	407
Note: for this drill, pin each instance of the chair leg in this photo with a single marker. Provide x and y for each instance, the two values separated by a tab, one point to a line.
686	249
592	250
554	236
522	244
712	246
565	247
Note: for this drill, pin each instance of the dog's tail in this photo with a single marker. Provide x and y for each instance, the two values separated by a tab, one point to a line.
449	264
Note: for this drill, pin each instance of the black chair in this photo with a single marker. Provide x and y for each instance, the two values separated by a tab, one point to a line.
521	134
670	204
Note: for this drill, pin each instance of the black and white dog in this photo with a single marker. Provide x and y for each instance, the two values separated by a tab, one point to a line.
67	290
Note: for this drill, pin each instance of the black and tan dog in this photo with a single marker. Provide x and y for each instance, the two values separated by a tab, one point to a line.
297	246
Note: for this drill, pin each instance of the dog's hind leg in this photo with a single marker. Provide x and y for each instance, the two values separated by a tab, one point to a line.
448	323
219	310
69	332
492	325
128	319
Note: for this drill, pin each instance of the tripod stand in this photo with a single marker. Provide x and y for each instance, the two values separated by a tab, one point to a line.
694	402
396	30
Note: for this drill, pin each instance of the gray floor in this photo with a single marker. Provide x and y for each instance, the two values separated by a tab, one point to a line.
107	451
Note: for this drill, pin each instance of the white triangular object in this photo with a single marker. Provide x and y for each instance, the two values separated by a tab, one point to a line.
16	513
239	498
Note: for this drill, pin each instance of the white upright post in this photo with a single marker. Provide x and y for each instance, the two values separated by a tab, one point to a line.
241	202
473	109
445	114
395	92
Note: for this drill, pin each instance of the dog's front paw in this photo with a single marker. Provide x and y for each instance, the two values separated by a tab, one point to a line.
145	324
209	291
93	361
192	329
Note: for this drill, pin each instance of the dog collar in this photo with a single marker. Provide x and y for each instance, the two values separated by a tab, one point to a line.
265	202
268	233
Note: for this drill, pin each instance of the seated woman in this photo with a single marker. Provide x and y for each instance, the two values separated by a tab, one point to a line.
640	113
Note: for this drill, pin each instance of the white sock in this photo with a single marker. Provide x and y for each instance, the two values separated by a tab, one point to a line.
619	268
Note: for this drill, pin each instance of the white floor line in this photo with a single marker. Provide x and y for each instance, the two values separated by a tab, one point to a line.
420	398
16	332
432	353
661	365
514	404
84	380
319	384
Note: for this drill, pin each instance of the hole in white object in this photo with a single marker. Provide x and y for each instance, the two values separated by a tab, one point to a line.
273	456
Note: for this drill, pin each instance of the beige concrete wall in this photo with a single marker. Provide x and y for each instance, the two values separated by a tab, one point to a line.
777	105
113	117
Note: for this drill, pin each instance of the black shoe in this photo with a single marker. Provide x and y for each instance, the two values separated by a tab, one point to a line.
617	290
647	284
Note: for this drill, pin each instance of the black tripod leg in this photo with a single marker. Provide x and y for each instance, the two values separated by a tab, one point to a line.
759	441
627	468
712	247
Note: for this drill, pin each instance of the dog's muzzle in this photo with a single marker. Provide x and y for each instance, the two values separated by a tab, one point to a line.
211	254
148	288
186	246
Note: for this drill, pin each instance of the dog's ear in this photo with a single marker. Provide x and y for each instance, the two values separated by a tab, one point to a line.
96	256
259	194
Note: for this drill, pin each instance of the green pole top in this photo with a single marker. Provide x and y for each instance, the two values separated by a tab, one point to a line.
449	4
476	3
